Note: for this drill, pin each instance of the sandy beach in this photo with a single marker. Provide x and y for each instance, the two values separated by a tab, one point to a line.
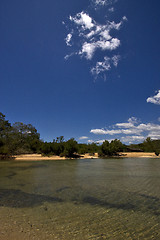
139	155
39	157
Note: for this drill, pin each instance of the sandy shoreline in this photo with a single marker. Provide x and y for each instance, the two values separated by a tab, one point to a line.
39	157
139	155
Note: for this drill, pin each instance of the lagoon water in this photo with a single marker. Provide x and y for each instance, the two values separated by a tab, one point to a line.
80	199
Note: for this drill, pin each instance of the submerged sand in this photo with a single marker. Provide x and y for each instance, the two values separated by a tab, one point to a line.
39	157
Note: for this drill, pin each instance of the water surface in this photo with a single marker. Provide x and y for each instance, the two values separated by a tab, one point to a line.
80	199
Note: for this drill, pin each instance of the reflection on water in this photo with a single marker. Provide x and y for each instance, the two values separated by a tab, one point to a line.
80	199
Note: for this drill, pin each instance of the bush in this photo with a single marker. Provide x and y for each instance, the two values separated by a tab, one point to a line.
156	153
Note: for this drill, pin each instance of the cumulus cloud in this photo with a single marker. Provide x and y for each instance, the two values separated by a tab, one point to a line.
90	37
95	36
155	99
154	135
83	19
88	50
132	139
131	130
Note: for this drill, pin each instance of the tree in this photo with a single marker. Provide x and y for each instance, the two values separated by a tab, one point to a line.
70	147
105	150
5	140
110	149
25	137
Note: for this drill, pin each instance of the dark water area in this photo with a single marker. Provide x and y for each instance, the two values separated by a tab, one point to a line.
80	199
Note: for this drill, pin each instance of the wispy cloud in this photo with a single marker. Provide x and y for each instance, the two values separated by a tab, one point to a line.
68	39
155	99
99	3
131	131
83	138
105	65
88	37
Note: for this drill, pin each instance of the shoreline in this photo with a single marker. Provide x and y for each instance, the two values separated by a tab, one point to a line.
39	157
138	155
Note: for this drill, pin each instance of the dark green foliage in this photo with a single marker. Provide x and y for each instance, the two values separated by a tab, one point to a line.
5	139
25	138
148	145
88	148
17	139
112	148
60	148
156	153
70	148
21	138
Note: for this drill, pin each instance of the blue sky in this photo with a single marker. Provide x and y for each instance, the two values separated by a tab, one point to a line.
86	69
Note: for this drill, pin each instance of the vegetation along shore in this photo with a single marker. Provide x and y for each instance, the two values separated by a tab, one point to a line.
21	141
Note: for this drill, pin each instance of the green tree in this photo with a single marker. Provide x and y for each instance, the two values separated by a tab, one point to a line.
111	149
70	148
5	139
25	137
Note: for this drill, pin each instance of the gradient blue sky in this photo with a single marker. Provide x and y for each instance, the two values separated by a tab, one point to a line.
64	96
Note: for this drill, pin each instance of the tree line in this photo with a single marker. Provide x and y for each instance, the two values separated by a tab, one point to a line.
19	138
149	145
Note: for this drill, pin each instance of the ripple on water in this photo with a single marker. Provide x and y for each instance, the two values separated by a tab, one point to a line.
96	199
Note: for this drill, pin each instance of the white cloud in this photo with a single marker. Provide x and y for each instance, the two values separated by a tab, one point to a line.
105	34
90	37
124	125
99	3
129	124
132	139
68	39
105	65
154	135
101	66
97	35
99	141
133	120
105	132
131	130
115	60
117	131
83	19
111	9
90	141
149	127
125	18
155	99
88	50
83	138
109	44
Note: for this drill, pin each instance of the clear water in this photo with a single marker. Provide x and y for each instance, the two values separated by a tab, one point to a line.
80	199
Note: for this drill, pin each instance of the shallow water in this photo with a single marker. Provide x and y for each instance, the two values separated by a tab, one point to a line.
80	199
